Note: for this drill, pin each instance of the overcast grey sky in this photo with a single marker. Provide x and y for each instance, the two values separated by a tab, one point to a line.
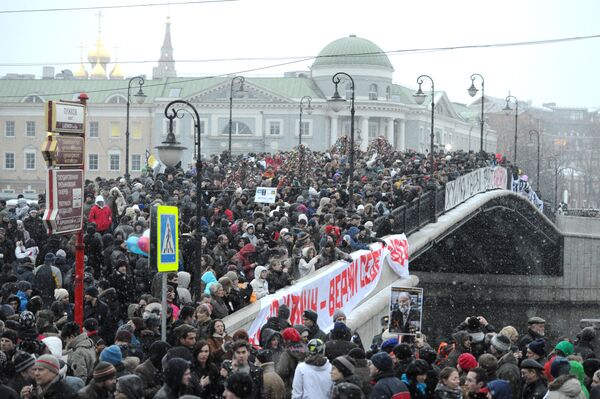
565	73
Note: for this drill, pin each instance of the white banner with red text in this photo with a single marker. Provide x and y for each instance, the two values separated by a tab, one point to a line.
343	286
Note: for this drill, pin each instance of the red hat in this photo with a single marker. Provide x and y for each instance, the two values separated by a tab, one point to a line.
466	361
291	335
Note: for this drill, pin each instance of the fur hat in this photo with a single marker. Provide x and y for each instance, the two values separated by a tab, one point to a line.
240	384
501	343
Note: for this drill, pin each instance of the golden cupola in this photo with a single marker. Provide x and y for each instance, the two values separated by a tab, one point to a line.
116	72
98	72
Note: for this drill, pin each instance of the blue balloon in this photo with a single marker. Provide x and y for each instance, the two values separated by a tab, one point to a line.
132	244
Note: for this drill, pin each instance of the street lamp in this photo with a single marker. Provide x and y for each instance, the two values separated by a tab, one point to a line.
337	102
508	108
177	113
420	99
309	111
532	132
241	80
140	97
556	170
472	92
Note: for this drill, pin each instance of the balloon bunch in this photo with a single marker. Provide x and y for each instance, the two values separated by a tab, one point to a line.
300	163
139	245
342	147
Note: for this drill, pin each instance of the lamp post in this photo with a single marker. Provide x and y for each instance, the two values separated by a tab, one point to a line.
508	108
309	110
472	92
537	177
240	79
336	102
140	97
420	99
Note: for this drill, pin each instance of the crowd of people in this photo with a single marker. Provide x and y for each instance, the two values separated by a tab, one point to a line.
238	252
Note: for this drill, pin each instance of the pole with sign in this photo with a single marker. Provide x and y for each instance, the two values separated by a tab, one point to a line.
64	153
164	250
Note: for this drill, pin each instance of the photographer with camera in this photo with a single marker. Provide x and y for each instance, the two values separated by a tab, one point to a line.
477	327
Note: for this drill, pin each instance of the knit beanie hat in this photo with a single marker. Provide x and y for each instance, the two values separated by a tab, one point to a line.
382	361
48	362
290	334
240	384
389	344
466	361
310	315
123	336
264	356
338	313
345	365
60	293
112	354
90	324
501	343
23	361
538	347
560	366
565	347
92	291
104	371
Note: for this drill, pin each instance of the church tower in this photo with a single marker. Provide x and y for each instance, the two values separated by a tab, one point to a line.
166	63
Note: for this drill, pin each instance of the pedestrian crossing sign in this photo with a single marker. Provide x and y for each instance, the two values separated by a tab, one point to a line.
167	236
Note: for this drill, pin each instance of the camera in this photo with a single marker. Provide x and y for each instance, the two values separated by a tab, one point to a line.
473	322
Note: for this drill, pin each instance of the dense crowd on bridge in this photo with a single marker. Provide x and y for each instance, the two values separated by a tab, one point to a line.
238	252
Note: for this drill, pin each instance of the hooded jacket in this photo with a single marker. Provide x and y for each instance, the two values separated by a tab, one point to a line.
81	356
565	387
312	379
260	286
172	388
101	216
183	283
242	260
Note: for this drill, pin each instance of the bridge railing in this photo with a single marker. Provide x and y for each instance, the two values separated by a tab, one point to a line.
425	209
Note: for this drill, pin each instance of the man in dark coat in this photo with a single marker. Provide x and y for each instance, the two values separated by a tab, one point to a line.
535	330
96	309
340	344
45	281
385	384
534	386
49	383
309	319
103	383
507	363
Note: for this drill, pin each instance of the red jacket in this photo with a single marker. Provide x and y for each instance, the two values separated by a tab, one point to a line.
242	259
101	216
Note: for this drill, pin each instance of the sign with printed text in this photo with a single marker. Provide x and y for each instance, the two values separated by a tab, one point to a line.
343	286
64	201
65	117
478	181
167	239
265	195
59	151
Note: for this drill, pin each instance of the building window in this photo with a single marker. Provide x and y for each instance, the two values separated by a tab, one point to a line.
9	128
115	129
29	159
388	93
114	162
238	128
373	92
92	161
348	91
136	162
136	130
202	128
9	160
175	128
30	129
274	128
174	92
33	99
93	129
117	99
306	128
373	130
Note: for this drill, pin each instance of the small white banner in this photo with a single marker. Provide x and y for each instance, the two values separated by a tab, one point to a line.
265	195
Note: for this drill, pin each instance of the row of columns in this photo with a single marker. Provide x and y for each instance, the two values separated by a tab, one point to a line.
362	124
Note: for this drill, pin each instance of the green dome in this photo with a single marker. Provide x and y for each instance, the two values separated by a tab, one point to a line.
352	50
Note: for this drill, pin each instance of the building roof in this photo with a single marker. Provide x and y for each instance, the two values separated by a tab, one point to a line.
352	50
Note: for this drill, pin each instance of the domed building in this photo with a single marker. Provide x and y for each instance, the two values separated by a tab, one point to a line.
265	116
